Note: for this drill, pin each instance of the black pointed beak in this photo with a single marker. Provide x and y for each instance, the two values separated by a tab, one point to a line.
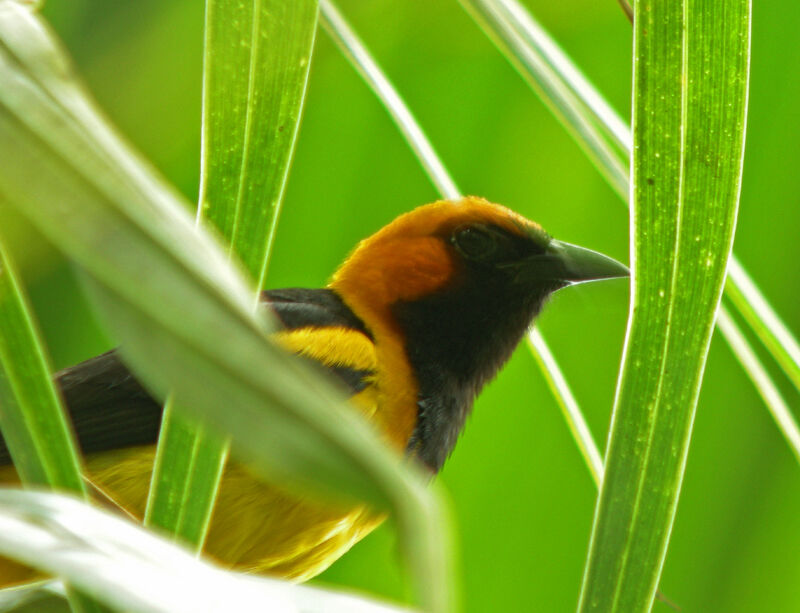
575	264
566	264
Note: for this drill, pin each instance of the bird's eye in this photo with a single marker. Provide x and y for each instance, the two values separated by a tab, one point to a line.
474	243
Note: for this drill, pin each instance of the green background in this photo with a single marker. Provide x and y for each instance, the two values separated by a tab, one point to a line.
522	498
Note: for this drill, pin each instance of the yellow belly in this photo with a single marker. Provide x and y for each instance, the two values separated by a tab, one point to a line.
255	527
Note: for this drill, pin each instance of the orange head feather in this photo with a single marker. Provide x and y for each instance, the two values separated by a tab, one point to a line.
411	257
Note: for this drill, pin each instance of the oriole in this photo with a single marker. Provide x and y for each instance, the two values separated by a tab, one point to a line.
418	318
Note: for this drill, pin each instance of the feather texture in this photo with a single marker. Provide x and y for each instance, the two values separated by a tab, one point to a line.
258	526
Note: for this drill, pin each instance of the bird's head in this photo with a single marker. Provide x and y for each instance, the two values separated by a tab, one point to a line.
459	282
467	247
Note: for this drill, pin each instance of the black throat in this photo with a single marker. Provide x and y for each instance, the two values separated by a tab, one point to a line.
457	339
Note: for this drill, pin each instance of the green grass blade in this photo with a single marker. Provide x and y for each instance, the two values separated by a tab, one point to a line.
760	316
690	99
136	571
569	406
252	101
32	418
780	410
378	82
168	292
594	126
188	468
360	58
575	101
257	57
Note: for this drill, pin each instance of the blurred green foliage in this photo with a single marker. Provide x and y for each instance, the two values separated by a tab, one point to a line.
522	496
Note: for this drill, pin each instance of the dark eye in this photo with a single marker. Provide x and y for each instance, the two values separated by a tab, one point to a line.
475	243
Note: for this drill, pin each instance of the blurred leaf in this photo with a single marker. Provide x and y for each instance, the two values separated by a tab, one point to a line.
257	57
360	58
690	97
41	597
113	559
169	294
760	316
568	404
560	85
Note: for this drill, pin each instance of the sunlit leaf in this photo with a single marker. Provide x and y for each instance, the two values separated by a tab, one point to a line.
256	62
32	419
188	466
691	69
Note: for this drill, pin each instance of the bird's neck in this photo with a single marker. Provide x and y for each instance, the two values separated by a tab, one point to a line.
456	343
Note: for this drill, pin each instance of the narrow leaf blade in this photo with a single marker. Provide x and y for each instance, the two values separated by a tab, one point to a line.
32	419
257	58
186	474
690	98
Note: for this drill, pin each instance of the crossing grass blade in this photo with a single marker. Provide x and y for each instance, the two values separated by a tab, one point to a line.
760	316
255	72
361	59
691	68
167	290
781	412
561	86
578	426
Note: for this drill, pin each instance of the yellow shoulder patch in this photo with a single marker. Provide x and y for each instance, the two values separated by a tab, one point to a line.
337	347
330	346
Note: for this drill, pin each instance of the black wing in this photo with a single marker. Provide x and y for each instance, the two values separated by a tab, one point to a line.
110	409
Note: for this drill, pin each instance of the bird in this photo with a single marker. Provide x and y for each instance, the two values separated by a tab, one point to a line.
418	318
